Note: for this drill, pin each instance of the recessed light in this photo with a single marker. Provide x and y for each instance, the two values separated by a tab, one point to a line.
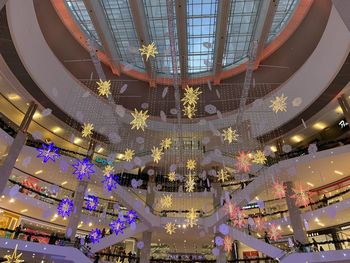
63	183
338	110
273	148
24	210
36	115
310	184
56	129
13	96
12	200
338	172
296	138
39	172
319	126
77	140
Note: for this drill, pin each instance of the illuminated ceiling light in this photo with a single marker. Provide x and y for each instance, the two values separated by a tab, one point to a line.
2	196
316	219
319	126
100	150
77	140
296	138
55	215
39	172
12	201
338	172
56	129
63	183
120	156
338	110
24	210
13	96
90	224
310	184
273	148
321	224
36	115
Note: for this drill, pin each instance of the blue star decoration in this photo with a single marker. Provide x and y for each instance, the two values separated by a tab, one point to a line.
131	217
91	202
95	235
48	152
65	207
83	168
117	226
110	182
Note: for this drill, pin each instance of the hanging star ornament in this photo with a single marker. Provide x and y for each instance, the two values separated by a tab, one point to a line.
238	218
191	164
170	228
139	121
228	244
190	183
87	129
190	100
119	260
259	224
95	235
92	202
48	152
108	170
104	88
128	155
189	111
279	190
149	50
259	157
172	176
110	182
165	144
301	196
83	168
14	258
230	135
156	154
65	207
279	103
243	162
117	226
191	217
274	232
223	175
131	217
166	201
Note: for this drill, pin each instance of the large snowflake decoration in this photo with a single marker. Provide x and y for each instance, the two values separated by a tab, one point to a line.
301	196
156	154
191	218
223	175
172	176
131	217
190	183
243	162
279	190
166	143
104	88
117	226
108	170
48	152
230	135
259	224
191	164
87	129
189	111
14	258
228	244
166	201
91	203
259	157
274	232
170	228
191	96
110	182
230	209
279	103
83	168
65	207
139	121
150	50
238	217
128	155
95	235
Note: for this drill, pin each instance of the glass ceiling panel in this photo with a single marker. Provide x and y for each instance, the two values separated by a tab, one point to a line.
201	25
157	18
243	16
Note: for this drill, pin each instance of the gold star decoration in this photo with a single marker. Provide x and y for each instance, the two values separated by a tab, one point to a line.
172	176
166	143
104	88
259	157
191	164
150	50
230	135
166	201
108	170
170	228
191	218
189	111
190	183
139	121
128	155
87	129
119	260
279	103
190	100
14	258
223	175
156	154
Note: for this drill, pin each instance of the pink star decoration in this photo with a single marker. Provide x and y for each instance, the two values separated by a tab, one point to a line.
260	224
243	162
274	232
228	244
279	190
301	196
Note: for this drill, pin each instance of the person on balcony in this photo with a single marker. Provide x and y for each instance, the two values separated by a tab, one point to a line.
17	231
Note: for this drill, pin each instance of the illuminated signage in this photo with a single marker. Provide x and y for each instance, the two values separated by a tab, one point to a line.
103	161
343	124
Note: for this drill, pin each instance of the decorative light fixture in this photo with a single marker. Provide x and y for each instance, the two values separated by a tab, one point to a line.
48	152
83	168
65	207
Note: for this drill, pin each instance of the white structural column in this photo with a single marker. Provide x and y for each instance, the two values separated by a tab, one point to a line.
16	147
145	254
294	215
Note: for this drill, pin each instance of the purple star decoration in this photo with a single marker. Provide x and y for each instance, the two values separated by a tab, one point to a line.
83	168
91	202
48	152
117	226
95	235
110	182
65	207
131	217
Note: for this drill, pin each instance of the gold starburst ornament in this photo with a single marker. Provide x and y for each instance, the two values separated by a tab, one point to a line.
230	135
172	176
191	96
149	50
190	183
191	164
279	103
166	143
139	121
156	154
128	155
189	111
14	258
166	201
108	170
259	157
223	175
191	218
87	130
170	228
104	88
